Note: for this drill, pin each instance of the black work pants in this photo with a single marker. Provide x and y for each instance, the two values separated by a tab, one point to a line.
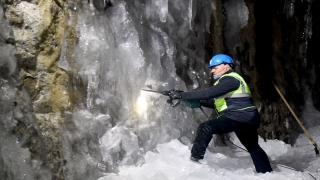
247	134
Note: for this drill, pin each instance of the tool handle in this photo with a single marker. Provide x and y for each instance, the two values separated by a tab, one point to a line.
166	93
174	102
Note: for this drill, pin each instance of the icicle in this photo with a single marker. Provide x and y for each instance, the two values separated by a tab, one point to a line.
289	8
308	22
190	14
307	33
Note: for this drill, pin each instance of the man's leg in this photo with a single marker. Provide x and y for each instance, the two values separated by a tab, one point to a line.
249	139
207	129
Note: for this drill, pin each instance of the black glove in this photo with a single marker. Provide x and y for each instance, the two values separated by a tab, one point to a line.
173	94
207	103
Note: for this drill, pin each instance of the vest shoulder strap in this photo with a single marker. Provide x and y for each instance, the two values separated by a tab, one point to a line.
243	88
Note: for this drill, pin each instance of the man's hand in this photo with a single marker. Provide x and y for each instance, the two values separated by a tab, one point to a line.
175	94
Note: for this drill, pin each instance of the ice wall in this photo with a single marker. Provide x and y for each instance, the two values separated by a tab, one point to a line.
130	46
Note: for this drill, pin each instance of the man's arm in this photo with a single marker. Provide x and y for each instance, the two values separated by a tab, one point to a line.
226	84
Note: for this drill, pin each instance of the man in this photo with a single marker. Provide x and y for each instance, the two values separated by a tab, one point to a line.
230	96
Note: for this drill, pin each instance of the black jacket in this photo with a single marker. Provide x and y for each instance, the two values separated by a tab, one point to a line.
226	84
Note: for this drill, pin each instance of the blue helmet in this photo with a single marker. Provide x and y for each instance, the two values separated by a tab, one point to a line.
220	59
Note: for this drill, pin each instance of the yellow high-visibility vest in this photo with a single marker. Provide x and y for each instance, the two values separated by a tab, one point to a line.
243	91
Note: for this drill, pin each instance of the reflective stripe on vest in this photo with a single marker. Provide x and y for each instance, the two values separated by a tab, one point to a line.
243	91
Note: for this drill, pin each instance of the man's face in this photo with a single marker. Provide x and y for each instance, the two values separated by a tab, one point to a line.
220	69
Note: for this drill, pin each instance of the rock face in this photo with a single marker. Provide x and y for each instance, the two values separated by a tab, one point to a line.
38	30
